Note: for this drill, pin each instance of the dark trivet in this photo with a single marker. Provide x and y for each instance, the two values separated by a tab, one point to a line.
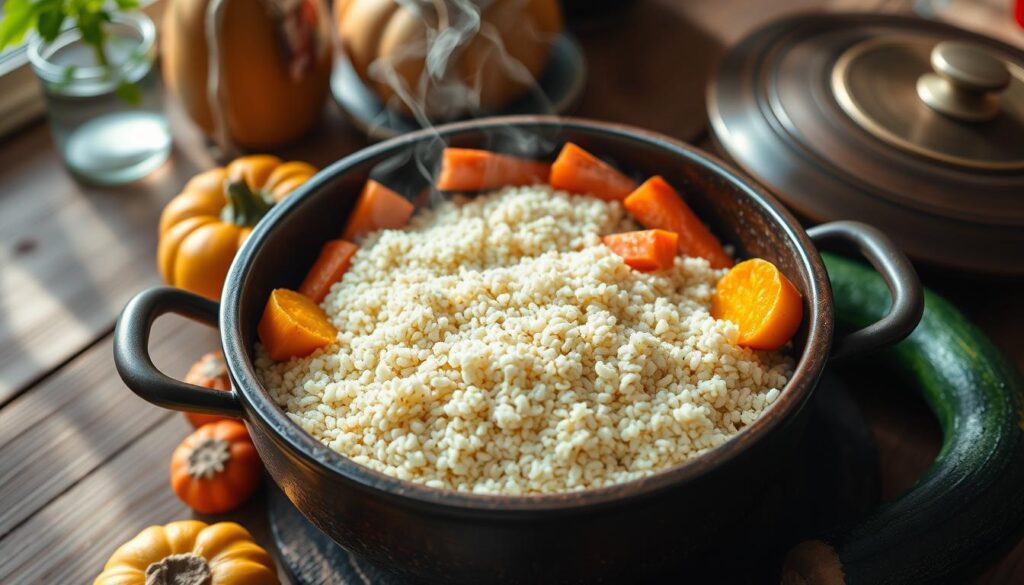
835	479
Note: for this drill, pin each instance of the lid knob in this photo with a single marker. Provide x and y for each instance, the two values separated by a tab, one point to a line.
966	82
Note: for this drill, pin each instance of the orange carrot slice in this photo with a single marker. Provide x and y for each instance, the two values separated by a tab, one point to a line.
645	250
577	171
467	169
761	301
655	204
378	208
334	260
293	325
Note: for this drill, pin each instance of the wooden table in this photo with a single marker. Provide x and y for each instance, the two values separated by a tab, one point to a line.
83	462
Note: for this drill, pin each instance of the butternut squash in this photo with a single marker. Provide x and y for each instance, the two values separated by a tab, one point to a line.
273	67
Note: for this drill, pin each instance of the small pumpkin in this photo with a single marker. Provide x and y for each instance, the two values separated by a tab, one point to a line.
211	371
203	227
483	70
272	65
216	468
190	552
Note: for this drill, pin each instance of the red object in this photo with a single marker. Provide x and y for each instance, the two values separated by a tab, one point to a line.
1018	12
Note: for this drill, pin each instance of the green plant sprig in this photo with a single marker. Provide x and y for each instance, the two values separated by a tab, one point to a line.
47	18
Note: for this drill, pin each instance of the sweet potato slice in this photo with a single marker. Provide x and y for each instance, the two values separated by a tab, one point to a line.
293	325
761	301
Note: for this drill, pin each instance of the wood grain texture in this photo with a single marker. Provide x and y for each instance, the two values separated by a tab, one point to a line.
79	418
70	256
66	541
69	540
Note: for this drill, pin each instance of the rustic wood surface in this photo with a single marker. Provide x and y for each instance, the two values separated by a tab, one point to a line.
84	463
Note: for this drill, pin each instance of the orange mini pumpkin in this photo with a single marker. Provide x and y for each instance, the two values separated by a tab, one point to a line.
216	468
211	371
203	227
190	552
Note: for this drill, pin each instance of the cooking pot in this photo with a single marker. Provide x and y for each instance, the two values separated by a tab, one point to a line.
681	521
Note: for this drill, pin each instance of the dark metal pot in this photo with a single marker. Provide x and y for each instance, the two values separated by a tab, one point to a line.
691	516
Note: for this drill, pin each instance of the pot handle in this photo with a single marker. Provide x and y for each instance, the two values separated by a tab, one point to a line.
899	275
967	509
131	353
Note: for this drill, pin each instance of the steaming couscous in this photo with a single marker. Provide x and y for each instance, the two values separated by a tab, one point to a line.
496	345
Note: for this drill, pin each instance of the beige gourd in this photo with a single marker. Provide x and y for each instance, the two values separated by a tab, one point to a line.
494	65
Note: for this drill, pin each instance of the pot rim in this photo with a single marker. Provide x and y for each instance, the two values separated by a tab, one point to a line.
288	434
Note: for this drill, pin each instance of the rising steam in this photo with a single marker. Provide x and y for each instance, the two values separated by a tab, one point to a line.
446	90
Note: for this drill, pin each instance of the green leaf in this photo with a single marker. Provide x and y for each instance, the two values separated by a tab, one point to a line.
91	29
129	93
68	76
49	25
127	4
20	17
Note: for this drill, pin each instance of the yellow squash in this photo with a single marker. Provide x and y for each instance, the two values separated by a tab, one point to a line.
203	227
513	38
190	552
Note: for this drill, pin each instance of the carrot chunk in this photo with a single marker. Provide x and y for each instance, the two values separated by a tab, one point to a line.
378	208
467	169
293	325
761	301
645	250
334	260
577	171
655	204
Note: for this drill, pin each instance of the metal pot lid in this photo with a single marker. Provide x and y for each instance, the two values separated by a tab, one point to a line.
912	125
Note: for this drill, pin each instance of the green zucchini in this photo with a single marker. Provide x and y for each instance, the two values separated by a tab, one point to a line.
969	507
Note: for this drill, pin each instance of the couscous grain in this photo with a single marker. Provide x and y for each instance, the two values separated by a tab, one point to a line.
495	345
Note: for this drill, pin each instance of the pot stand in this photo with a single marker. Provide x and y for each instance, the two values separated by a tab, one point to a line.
834	479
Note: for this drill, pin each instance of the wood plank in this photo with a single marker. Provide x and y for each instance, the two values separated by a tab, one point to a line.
70	257
69	540
71	424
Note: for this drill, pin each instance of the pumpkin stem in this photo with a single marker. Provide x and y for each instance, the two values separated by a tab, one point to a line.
244	207
180	569
208	458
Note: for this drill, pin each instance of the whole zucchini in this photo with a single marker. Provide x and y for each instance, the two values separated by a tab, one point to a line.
969	507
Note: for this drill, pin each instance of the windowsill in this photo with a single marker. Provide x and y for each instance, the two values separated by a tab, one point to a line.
21	100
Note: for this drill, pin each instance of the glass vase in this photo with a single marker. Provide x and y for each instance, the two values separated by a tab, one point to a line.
107	119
